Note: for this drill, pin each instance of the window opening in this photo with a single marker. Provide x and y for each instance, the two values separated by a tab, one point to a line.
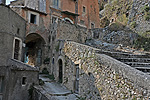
77	79
60	71
54	19
84	9
16	49
92	25
33	19
24	80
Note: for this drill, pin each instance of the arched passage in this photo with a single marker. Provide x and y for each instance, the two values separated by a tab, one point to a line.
34	49
60	64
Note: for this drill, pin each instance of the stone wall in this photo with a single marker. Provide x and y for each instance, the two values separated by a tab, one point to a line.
67	31
101	76
12	26
59	32
14	88
124	37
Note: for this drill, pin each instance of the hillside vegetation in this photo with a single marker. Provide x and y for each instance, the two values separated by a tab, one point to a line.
130	15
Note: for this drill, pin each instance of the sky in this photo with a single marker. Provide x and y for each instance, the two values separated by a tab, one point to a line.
8	1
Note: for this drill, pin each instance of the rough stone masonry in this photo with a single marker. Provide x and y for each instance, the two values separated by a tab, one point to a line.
101	76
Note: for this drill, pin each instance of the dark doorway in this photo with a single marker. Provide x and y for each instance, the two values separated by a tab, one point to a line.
60	70
77	79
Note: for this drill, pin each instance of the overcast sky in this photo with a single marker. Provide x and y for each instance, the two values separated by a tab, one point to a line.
8	1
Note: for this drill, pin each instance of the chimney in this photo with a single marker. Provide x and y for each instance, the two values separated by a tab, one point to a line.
2	1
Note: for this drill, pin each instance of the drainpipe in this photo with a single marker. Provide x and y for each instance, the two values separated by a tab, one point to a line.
76	11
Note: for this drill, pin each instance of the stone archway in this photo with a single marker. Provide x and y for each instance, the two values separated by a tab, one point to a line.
34	49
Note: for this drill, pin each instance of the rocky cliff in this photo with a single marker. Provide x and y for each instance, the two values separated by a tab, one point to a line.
132	15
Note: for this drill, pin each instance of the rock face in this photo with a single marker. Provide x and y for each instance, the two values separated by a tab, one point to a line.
140	14
108	39
116	10
133	15
128	12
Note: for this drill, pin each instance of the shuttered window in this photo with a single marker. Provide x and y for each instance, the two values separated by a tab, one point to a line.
16	49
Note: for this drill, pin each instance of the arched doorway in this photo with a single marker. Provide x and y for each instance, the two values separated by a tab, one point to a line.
60	63
34	49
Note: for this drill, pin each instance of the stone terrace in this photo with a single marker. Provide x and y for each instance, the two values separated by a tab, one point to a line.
113	79
138	61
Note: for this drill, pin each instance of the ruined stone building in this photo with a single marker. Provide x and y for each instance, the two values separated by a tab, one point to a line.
15	77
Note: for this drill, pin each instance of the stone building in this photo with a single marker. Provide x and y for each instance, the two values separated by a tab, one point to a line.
15	76
42	14
54	38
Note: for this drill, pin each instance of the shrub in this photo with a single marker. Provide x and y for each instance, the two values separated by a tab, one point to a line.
146	17
146	8
133	24
104	22
44	71
116	26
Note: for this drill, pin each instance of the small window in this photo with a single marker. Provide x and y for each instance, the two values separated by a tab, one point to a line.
16	49
24	79
54	19
82	22
33	19
76	78
84	10
53	61
18	31
112	20
92	25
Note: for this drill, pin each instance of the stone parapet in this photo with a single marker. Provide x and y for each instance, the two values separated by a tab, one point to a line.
104	77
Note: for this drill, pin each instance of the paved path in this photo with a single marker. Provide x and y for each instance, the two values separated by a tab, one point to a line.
55	91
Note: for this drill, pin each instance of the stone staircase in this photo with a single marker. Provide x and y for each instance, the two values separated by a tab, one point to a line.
138	61
52	90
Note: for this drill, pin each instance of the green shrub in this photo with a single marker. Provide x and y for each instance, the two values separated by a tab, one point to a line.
146	8
44	71
122	19
41	82
46	61
116	26
133	24
143	41
57	47
30	91
104	22
50	77
146	17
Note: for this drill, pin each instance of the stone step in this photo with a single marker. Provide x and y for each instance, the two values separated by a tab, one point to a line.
137	64
123	55
141	60
144	69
